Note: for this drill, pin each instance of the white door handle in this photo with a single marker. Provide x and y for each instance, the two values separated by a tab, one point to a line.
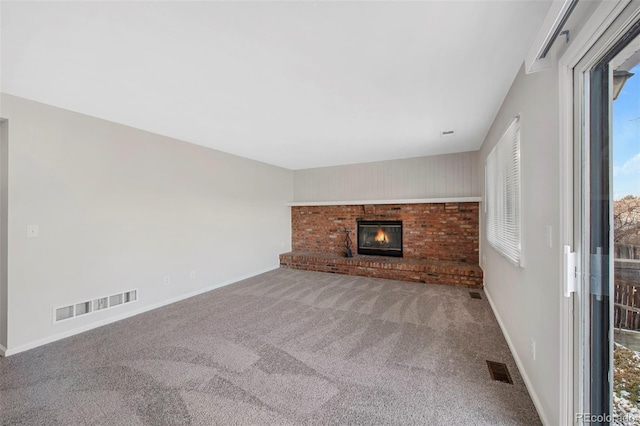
569	271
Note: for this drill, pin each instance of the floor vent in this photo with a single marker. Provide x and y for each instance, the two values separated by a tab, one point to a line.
475	295
499	372
83	308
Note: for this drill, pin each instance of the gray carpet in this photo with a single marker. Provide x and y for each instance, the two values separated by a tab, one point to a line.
285	347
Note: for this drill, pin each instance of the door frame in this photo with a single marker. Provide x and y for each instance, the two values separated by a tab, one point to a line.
602	29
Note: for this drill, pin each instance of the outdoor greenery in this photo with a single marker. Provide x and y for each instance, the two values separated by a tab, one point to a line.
626	385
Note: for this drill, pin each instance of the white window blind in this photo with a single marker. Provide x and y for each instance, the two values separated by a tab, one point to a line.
502	195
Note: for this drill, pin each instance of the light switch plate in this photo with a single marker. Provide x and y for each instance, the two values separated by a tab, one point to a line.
33	231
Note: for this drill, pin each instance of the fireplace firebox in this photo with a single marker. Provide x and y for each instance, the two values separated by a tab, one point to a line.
380	237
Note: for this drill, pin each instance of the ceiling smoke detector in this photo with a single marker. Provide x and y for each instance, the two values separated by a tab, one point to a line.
447	133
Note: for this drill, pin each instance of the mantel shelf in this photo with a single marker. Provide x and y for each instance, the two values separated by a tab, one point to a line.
402	201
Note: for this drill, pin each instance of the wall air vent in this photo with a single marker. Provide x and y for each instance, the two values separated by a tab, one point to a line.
102	303
130	296
115	300
83	308
63	313
447	133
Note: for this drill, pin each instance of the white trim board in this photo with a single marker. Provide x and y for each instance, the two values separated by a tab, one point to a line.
3	351
402	201
87	327
523	372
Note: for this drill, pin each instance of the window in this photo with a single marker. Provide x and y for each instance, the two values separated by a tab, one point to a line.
502	195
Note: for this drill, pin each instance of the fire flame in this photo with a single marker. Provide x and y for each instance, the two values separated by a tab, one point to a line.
381	237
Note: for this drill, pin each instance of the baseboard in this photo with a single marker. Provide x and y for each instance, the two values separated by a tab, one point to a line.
96	324
516	357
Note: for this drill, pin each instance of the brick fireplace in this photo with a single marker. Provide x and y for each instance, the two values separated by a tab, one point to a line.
440	241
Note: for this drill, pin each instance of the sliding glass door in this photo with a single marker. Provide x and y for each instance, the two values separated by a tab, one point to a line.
605	395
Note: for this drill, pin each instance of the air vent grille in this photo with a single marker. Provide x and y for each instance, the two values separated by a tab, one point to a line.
115	300
83	308
102	303
475	295
64	313
499	372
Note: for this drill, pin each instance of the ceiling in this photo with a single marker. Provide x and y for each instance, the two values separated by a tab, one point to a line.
294	84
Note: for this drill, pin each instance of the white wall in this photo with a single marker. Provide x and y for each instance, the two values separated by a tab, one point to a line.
527	300
119	208
450	175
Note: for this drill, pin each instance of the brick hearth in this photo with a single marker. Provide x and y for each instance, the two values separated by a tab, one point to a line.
440	242
414	270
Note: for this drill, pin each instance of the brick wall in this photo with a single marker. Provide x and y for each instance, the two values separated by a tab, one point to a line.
437	231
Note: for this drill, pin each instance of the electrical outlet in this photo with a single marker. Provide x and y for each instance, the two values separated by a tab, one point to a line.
533	349
192	275
167	280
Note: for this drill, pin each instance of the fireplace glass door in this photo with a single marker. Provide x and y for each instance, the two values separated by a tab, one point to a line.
381	238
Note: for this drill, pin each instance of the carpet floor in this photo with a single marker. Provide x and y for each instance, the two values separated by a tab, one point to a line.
284	347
